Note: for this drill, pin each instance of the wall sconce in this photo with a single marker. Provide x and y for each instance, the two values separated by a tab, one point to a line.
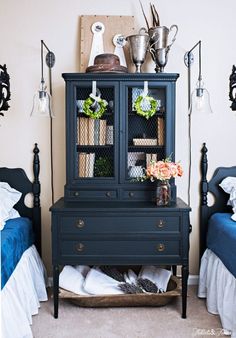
198	99
42	105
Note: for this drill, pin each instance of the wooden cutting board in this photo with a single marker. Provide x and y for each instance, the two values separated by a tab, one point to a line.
113	25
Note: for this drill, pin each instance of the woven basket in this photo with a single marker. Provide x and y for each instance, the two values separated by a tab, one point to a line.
142	299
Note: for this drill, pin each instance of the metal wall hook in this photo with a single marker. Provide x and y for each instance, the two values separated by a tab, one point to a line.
188	59
50	59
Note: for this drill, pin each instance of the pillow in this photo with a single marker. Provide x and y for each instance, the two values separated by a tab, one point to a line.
229	186
233	203
8	198
13	214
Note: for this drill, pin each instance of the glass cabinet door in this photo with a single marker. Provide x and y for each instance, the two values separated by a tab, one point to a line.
96	148
145	139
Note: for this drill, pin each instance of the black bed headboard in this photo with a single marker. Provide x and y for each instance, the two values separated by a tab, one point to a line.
221	198
18	180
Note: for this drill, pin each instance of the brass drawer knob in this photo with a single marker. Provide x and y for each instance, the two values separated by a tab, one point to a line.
161	223
131	194
160	247
80	223
108	194
80	247
76	193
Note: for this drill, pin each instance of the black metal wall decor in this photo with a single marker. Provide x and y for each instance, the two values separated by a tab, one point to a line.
4	89
232	88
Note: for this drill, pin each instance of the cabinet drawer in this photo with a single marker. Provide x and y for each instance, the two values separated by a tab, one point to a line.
91	194
120	248
100	225
141	195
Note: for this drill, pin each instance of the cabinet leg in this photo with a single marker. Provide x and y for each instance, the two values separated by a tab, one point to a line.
174	269
185	273
55	289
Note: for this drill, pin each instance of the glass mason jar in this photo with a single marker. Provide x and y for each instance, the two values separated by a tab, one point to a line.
163	193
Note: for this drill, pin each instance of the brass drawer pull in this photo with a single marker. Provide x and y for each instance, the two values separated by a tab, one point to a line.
161	247
131	194
80	223
108	194
80	247
161	223
76	193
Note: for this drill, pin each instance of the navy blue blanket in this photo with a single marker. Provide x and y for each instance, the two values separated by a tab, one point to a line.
16	237
221	239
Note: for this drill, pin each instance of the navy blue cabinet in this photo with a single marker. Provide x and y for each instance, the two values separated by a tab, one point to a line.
105	156
108	217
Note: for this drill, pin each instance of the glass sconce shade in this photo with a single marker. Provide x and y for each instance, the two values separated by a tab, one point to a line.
200	100
42	103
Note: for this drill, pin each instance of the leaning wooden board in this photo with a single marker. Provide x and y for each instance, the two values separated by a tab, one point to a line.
113	25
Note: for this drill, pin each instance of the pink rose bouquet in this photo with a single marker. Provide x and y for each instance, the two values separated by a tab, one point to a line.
163	170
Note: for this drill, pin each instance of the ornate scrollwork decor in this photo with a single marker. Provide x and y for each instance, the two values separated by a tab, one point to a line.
232	88
4	89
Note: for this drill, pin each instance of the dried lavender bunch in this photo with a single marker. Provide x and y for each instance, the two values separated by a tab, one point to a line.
130	288
112	272
147	285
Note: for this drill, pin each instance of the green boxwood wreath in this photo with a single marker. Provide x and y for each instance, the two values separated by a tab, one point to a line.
145	113
94	114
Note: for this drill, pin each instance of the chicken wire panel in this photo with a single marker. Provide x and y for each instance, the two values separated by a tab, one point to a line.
98	162
157	93
138	161
146	137
95	132
95	137
143	132
106	93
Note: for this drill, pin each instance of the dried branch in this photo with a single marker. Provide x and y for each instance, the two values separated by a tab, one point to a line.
154	22
157	18
144	15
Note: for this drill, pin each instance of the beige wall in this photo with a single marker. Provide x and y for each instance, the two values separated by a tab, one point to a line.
26	22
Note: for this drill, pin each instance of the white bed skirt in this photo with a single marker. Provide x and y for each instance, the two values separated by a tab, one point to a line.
218	286
21	295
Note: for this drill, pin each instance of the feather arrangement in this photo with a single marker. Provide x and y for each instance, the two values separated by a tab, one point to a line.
112	272
155	16
147	285
130	288
141	285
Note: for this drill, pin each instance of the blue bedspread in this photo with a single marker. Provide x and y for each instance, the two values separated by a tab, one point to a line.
221	239
16	237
